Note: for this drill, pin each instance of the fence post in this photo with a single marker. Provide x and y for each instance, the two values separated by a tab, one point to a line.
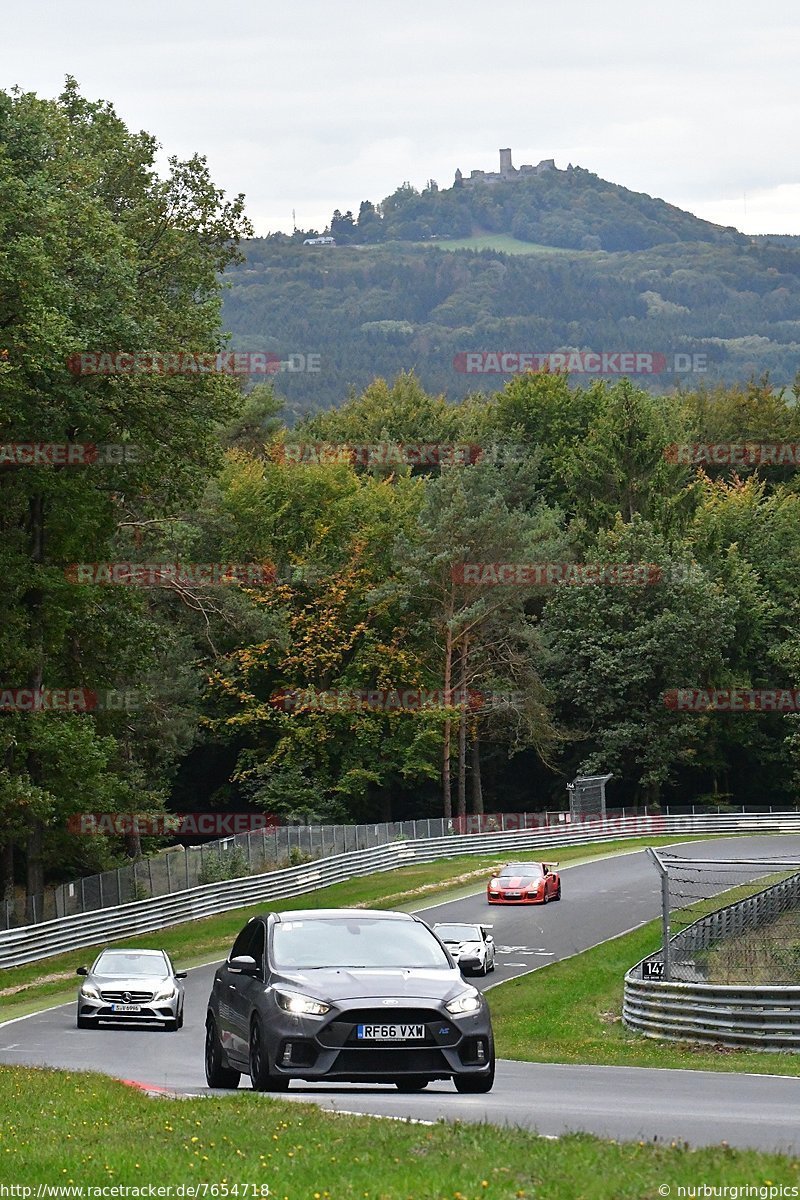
665	952
119	887
100	884
168	856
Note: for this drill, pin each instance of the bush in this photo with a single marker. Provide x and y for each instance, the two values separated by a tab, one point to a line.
220	865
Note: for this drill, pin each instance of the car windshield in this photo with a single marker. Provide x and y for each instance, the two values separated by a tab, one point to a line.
458	933
120	963
355	942
534	869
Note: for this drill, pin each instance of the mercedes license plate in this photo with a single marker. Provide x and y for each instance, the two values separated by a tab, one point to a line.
390	1033
126	1008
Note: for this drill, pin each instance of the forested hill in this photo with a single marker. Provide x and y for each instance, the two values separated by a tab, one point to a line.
730	308
573	209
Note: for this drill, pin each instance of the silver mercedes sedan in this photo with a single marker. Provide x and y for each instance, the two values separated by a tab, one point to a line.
138	987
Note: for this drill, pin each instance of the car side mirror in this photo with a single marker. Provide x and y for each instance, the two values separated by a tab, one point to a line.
244	964
181	974
82	971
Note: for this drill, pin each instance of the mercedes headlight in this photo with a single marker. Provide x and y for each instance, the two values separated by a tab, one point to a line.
90	992
167	992
303	1006
467	1002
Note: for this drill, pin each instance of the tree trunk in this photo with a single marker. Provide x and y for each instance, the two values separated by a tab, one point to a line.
462	731
35	864
7	871
462	764
447	796
34	600
475	765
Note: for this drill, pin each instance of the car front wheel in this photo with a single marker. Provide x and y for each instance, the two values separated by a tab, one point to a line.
260	1075
411	1083
217	1074
473	1084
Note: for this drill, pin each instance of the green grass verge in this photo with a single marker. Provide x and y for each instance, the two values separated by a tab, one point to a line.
60	1128
499	241
28	988
571	1012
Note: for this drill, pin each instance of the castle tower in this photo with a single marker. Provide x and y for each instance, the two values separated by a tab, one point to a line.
506	166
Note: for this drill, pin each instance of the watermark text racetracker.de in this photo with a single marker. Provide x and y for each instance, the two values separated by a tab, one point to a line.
67	454
70	699
572	574
733	700
396	454
579	362
162	574
385	700
135	1191
165	824
247	363
734	454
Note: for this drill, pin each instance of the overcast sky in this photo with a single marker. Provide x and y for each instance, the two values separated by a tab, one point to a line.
313	105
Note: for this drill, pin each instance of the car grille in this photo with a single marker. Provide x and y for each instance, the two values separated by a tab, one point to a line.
127	997
380	1061
388	1015
341	1032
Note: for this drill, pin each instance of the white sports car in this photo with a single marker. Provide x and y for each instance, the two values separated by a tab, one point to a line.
471	946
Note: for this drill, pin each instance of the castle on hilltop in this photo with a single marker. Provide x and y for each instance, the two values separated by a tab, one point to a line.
507	171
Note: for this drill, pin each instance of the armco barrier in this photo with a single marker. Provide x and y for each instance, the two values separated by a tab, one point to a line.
741	1015
727	1015
34	942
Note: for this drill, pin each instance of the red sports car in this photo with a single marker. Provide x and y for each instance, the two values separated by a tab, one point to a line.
525	883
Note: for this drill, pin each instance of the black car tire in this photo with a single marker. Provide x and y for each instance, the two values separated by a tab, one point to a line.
544	894
472	1084
172	1026
411	1083
558	891
84	1023
217	1074
180	1020
261	1077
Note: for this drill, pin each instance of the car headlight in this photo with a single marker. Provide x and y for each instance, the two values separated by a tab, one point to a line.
90	992
306	1006
167	992
467	1002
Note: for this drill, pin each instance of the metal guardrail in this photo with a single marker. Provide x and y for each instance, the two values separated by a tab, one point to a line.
727	1015
34	942
736	1015
181	867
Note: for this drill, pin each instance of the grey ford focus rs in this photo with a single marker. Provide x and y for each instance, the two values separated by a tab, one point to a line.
345	995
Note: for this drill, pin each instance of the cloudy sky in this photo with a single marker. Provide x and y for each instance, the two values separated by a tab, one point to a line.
312	105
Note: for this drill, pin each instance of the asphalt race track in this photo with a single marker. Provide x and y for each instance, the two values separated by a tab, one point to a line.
601	899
